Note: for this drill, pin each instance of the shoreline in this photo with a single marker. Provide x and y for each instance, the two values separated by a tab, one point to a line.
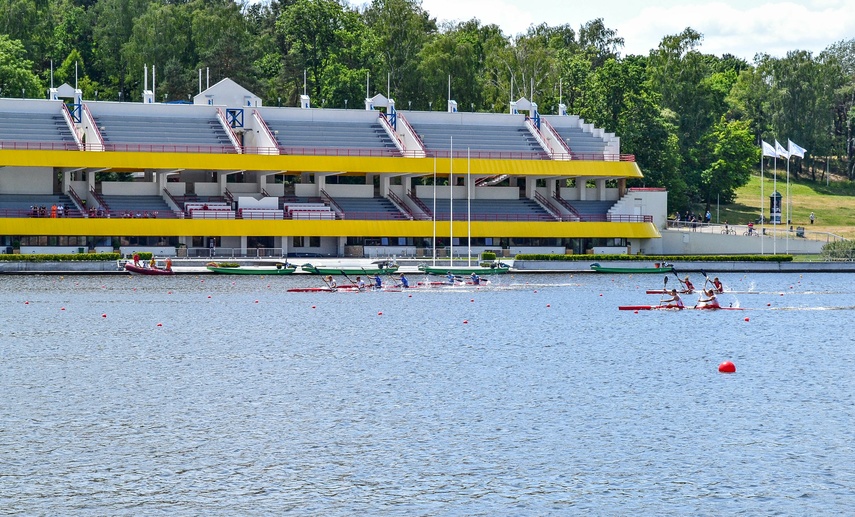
198	266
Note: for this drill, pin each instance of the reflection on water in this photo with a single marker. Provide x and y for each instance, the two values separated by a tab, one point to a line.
535	396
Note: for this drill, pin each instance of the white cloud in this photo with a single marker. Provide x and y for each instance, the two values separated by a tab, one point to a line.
505	14
739	27
772	28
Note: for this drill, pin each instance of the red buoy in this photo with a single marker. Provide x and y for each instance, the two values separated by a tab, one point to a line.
746	319
547	306
465	321
727	367
380	313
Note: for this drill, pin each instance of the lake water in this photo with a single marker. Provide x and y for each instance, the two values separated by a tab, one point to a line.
203	395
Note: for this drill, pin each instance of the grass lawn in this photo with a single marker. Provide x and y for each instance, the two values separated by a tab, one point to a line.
833	206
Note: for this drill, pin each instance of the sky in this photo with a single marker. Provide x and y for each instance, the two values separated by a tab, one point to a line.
742	28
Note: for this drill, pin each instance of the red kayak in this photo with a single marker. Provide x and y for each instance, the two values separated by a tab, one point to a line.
675	308
348	288
148	270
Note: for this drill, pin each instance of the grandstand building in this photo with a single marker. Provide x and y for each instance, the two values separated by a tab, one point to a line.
226	176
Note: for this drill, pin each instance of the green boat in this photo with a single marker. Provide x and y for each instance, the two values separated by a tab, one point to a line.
498	268
663	268
224	269
381	269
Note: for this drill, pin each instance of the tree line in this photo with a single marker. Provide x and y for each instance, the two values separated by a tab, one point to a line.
694	121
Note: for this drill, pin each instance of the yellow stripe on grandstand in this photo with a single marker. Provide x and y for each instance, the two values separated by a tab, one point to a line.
138	161
236	228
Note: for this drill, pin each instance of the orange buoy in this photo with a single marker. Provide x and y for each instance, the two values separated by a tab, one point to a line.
727	367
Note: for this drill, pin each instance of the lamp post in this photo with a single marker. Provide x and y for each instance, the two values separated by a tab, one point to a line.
279	99
345	103
430	105
409	105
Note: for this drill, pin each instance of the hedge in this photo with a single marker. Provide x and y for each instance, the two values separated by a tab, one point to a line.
65	257
656	258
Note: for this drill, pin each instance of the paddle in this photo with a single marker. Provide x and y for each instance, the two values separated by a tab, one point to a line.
664	290
347	277
331	288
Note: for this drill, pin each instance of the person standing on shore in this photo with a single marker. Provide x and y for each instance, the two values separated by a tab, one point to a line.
812	217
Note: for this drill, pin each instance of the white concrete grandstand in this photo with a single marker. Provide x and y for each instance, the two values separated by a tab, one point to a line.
226	173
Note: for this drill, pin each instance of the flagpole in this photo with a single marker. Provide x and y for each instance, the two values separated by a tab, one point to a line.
468	208
434	210
775	215
762	219
787	212
451	202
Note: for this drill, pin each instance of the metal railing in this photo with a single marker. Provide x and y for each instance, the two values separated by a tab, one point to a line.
170	148
399	203
40	146
100	200
422	206
335	206
554	212
779	231
563	202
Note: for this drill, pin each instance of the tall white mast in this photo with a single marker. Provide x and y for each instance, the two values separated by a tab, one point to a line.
434	210
468	208
451	202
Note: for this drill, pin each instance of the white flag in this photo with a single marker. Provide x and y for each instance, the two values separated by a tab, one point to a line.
781	152
795	150
769	151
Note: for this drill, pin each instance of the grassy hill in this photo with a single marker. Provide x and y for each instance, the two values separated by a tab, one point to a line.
833	205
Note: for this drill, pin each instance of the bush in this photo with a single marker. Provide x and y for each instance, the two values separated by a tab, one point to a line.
658	258
839	250
70	257
488	256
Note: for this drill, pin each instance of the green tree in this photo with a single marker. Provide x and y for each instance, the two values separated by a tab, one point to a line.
16	76
161	37
402	29
114	24
460	51
222	41
732	156
330	43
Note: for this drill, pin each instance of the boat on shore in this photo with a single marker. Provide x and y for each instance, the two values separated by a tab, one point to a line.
379	269
663	268
234	269
141	270
498	268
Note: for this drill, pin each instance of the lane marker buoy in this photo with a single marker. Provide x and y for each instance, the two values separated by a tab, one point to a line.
727	367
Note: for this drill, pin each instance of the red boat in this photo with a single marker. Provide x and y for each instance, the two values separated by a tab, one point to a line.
140	270
675	308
